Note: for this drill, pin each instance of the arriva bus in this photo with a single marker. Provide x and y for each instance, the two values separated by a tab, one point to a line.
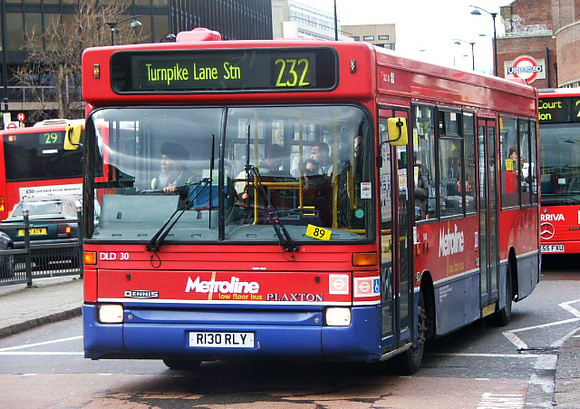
559	113
35	163
299	199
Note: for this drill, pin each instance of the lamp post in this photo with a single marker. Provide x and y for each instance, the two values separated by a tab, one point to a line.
458	42
4	59
335	23
476	12
134	24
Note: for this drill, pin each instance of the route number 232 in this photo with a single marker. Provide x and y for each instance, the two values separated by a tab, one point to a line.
292	72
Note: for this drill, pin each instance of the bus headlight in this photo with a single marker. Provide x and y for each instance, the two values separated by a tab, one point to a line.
111	313
338	317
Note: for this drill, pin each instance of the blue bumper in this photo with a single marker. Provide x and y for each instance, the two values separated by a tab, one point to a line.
161	333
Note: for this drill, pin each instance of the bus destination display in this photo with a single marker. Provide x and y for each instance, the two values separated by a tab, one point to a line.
559	110
224	70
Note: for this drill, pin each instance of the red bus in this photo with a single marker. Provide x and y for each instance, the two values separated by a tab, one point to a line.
296	230
36	163
559	114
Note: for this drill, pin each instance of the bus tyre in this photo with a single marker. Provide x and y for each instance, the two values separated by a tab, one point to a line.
410	360
182	364
503	316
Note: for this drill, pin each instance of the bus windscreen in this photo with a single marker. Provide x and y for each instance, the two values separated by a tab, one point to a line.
39	156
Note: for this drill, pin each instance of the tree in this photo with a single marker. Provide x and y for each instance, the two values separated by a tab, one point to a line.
52	71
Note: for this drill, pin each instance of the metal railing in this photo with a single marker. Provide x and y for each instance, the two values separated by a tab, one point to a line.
23	265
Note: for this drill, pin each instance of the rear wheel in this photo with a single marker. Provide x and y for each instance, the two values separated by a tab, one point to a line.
503	316
409	362
182	364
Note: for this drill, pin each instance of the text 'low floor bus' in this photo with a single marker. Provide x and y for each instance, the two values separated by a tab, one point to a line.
299	199
35	163
559	113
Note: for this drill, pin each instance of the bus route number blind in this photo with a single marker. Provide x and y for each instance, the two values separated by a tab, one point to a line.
559	109
225	70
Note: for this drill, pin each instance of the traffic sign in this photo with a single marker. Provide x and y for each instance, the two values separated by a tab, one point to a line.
21	117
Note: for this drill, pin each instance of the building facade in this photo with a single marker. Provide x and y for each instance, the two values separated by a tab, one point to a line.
295	19
382	35
541	42
159	20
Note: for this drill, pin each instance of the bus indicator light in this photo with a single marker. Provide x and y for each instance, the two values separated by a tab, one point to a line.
90	258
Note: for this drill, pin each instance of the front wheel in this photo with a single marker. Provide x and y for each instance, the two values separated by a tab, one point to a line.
181	364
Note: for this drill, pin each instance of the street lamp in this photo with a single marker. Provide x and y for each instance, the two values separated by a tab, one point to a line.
335	23
458	42
134	24
476	12
4	58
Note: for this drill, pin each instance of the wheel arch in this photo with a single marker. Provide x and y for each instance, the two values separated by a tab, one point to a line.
428	291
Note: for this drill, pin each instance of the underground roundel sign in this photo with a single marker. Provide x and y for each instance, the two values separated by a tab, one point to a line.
526	68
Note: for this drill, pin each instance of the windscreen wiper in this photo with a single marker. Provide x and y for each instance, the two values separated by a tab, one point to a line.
281	232
159	237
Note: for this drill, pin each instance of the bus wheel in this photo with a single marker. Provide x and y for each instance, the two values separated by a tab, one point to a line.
502	317
181	364
409	361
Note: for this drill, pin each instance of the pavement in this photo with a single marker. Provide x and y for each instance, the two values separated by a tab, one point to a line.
51	300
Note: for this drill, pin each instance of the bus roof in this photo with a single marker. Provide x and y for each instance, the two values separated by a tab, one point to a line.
559	92
367	70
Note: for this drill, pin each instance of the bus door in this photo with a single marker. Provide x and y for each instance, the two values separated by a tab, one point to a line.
395	238
488	212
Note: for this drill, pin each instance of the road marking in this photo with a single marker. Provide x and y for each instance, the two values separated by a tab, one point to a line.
566	305
56	341
514	339
500	400
561	341
39	353
475	355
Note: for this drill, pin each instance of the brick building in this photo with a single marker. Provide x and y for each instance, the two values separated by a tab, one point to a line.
541	42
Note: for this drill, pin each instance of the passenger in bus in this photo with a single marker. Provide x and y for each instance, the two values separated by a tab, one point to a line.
316	190
311	167
313	174
321	153
421	192
512	171
273	161
173	170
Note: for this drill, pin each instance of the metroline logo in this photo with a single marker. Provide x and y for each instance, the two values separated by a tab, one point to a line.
451	242
234	286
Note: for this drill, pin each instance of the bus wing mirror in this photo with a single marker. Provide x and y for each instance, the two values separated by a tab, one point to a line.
397	129
72	137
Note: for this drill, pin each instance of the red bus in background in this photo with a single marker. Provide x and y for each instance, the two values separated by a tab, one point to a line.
559	114
35	163
317	200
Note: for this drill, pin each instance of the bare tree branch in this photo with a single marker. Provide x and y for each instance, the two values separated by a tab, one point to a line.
52	72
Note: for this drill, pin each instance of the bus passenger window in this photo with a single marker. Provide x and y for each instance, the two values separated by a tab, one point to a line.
511	166
424	164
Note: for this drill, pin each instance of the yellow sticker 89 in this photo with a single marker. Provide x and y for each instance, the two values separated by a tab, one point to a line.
319	233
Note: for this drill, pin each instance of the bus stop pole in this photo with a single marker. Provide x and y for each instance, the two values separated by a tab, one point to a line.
27	256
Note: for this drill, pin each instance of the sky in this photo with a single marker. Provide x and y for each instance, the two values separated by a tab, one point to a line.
428	29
